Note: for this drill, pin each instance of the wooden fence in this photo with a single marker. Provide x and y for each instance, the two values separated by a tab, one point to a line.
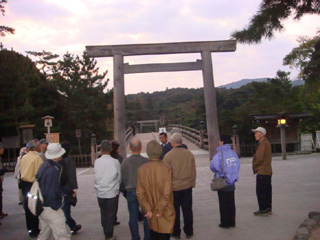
83	160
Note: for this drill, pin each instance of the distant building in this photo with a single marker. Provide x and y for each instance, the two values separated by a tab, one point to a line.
270	122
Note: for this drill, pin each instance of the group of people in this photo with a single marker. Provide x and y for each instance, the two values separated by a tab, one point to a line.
156	188
225	163
162	185
51	165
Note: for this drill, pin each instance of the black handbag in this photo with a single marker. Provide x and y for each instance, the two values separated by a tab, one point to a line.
72	200
220	182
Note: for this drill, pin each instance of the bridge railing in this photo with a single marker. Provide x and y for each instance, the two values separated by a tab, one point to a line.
129	134
195	136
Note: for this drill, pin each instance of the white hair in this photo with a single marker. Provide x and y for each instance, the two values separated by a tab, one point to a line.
176	138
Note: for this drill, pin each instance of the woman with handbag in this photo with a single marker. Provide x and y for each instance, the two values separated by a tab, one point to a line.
225	164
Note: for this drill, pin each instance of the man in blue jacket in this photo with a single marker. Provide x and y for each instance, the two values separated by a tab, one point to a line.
52	218
226	164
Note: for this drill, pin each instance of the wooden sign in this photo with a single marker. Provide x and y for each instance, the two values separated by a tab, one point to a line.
54	137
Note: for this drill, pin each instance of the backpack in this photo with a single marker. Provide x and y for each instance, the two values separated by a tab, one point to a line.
35	199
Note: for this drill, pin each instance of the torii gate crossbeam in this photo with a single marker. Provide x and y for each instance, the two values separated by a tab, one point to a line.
205	48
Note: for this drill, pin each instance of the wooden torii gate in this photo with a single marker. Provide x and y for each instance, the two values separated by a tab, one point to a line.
148	123
205	64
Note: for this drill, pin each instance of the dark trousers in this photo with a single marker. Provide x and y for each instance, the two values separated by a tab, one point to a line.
227	208
1	190
183	199
31	220
108	210
264	192
133	207
66	208
159	236
140	214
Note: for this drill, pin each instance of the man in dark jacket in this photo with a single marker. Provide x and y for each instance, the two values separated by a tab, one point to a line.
261	165
52	218
2	172
69	187
129	170
165	144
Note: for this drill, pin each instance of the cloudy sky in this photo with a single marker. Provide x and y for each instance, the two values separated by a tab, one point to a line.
69	25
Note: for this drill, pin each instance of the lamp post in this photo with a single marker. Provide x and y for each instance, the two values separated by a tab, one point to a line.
78	135
282	124
235	139
201	134
179	122
48	124
93	149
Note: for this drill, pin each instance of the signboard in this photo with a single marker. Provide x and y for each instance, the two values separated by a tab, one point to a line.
27	135
54	137
161	130
48	122
11	142
78	133
306	142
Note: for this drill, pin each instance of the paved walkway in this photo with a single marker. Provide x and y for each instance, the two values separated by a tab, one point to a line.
295	193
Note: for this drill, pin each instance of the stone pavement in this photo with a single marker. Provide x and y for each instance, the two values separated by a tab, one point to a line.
295	193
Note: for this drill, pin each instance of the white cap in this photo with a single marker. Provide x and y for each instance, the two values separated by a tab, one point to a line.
54	151
260	129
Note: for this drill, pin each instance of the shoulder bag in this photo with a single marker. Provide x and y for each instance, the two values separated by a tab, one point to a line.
35	199
220	182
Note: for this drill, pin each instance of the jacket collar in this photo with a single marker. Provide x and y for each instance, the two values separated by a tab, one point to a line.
262	140
224	147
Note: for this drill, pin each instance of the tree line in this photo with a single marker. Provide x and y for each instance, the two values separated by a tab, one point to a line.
71	90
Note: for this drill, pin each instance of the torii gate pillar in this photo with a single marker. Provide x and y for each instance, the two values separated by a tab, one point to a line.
119	104
210	102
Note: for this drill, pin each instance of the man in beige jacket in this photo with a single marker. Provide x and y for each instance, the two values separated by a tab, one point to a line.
261	165
29	166
184	175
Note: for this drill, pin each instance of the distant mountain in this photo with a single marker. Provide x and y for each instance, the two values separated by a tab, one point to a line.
243	82
297	83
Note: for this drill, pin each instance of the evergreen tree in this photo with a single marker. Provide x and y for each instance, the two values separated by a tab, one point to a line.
25	94
4	29
270	17
84	103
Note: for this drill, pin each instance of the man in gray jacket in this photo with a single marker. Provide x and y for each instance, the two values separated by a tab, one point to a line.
107	178
129	170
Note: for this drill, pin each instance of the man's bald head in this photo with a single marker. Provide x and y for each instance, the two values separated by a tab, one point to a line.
135	146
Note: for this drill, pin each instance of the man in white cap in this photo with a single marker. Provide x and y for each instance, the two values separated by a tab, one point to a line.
52	218
261	165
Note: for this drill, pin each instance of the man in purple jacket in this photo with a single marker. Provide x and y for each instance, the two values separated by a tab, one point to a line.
230	171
